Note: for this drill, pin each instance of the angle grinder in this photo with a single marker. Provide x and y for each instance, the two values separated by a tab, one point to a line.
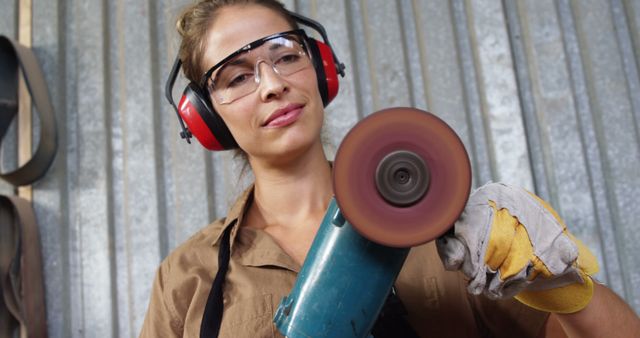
401	178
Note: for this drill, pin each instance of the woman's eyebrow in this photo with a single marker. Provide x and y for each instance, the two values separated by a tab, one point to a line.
275	46
238	61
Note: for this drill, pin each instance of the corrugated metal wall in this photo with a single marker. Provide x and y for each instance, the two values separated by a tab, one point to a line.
545	94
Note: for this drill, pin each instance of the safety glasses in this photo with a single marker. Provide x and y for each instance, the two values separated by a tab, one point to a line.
238	74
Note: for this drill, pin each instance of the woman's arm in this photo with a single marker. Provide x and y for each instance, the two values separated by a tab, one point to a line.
509	242
160	320
606	315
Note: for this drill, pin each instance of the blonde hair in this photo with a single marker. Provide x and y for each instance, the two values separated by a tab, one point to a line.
194	23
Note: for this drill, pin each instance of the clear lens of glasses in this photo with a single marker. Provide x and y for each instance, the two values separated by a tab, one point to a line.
240	76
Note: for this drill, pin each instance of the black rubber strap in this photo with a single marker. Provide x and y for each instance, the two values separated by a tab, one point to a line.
12	57
21	282
212	317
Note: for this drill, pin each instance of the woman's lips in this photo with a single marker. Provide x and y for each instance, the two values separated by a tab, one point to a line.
284	117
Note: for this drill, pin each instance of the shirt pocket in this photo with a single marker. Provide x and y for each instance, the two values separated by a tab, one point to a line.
249	317
431	293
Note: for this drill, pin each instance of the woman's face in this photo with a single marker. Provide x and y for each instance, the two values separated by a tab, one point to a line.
284	115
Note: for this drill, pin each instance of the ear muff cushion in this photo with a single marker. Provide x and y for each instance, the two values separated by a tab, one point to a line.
203	122
324	65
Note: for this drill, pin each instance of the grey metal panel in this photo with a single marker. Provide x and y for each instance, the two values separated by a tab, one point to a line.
526	84
343	112
624	38
550	115
591	148
410	19
160	63
499	92
384	45
543	93
187	176
50	198
631	9
9	18
359	61
478	148
90	233
134	193
614	127
431	49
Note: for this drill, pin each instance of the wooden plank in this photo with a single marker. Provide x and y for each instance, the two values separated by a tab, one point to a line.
25	126
24	108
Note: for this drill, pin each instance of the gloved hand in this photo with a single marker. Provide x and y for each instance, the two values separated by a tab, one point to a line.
509	242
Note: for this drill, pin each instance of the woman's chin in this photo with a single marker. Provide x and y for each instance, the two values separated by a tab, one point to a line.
287	148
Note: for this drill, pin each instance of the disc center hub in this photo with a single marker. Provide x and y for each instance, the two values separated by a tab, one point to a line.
402	178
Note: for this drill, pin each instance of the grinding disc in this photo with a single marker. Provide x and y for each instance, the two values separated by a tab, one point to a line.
427	166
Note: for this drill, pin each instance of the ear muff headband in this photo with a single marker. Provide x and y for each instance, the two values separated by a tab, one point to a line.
202	121
168	94
325	61
315	25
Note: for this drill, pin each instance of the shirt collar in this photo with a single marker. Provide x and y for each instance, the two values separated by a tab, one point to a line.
234	216
268	254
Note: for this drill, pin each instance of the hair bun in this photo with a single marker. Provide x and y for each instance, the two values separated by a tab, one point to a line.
181	23
193	25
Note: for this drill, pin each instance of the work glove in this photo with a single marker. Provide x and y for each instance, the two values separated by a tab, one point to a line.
509	242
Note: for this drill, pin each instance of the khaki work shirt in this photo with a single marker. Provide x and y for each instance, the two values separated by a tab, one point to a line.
260	274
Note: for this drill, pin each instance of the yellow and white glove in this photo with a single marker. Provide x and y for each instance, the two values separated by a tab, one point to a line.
509	242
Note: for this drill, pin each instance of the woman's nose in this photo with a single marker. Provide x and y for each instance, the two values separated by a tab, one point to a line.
270	83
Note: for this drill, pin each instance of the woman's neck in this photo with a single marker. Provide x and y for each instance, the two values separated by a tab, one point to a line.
288	194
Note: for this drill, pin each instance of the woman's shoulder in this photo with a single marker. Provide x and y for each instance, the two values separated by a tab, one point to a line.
203	242
202	247
183	281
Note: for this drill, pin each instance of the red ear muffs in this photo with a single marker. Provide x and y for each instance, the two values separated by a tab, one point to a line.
195	111
325	66
202	120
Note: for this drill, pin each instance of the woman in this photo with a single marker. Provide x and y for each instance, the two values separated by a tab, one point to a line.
276	121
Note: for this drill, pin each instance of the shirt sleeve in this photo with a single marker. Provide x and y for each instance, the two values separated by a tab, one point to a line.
506	318
161	319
